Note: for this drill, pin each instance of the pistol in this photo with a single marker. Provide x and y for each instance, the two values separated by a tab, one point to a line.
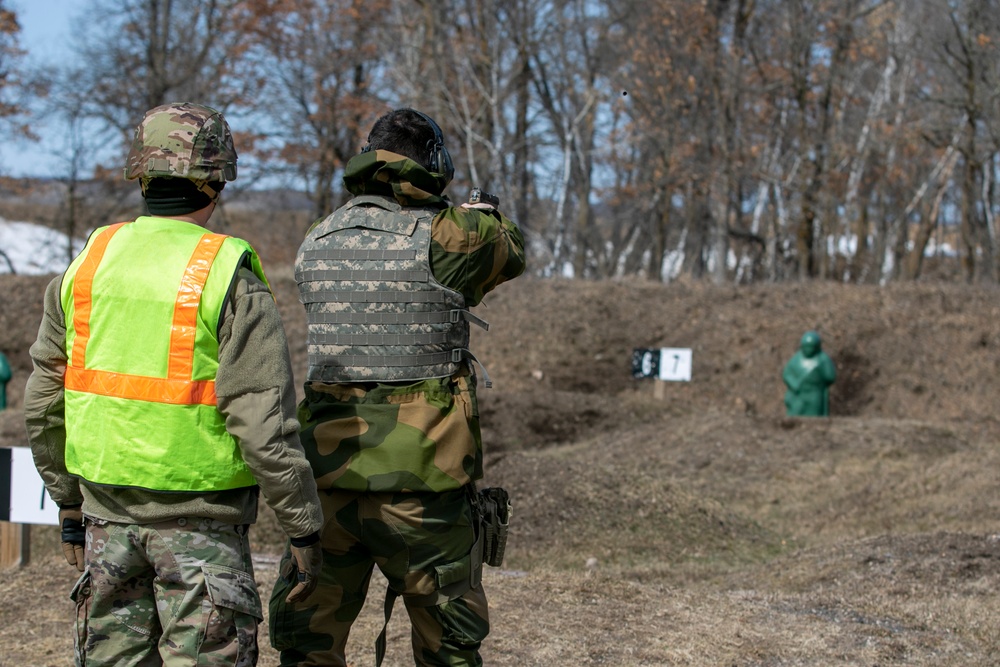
478	196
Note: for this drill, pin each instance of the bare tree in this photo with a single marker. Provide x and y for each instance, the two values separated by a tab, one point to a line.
20	85
469	63
738	140
143	53
571	75
14	84
15	87
963	55
321	61
94	192
133	55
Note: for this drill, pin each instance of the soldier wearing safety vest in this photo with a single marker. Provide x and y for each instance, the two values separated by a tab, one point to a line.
390	418
160	406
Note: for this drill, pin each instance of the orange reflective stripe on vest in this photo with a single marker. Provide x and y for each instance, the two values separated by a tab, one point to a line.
182	334
140	387
177	387
81	294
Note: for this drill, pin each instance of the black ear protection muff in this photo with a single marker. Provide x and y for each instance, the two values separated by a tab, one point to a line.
438	158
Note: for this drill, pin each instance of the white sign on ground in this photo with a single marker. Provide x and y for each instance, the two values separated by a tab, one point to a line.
675	364
665	363
29	501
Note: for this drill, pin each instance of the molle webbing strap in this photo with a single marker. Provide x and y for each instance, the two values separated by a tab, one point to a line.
487	382
403	361
380	339
437	317
328	296
361	275
363	254
478	321
374	309
434	338
397	360
177	387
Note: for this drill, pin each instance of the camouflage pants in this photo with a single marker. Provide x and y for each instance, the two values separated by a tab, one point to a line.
179	592
422	543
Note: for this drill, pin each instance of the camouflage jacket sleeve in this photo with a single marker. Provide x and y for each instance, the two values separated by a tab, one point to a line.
256	393
44	402
474	250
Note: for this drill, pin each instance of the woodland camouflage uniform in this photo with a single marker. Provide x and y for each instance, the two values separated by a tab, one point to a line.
395	457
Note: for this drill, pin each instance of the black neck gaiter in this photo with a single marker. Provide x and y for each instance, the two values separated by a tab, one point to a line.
176	196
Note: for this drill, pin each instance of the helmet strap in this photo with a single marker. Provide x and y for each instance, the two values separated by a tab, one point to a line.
212	193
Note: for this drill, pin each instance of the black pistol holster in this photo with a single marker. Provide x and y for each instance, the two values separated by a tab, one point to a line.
494	509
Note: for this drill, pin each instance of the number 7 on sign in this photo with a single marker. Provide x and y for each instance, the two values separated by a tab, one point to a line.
675	364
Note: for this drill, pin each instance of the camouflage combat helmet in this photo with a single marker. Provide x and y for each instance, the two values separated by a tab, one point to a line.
182	140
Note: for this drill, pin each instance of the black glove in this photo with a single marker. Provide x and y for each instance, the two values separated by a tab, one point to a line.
308	561
74	535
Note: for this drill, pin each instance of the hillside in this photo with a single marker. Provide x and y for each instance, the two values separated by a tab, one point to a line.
703	527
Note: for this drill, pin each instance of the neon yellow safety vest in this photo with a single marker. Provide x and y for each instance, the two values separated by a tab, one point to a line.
142	304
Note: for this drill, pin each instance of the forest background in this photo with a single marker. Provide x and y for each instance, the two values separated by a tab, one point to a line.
781	148
735	140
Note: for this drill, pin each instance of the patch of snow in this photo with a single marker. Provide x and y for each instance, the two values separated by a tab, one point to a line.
34	249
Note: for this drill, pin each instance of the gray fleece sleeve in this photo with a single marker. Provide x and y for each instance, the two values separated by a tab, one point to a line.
44	405
255	392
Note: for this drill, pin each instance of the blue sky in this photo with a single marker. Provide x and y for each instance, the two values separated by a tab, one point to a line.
45	35
45	26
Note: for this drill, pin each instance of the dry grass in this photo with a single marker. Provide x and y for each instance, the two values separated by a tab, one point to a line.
718	531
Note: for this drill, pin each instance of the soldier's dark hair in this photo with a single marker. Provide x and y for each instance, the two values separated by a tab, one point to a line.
403	131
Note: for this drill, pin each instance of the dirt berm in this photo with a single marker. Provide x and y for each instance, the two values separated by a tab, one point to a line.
695	525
